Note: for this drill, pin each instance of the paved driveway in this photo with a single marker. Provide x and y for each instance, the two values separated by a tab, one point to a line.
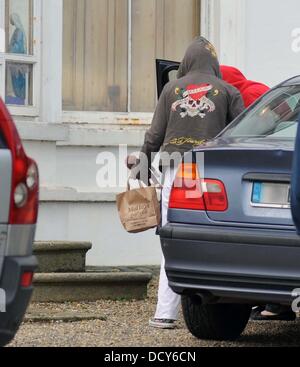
107	323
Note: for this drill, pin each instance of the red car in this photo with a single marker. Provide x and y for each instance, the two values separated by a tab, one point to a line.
19	187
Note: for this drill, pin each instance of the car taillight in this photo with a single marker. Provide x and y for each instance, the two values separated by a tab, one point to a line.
26	279
25	181
24	205
191	192
187	191
215	196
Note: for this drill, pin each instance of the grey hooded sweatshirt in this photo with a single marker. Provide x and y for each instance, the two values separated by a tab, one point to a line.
195	107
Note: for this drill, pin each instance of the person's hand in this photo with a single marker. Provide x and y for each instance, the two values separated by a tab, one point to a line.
131	161
135	173
138	172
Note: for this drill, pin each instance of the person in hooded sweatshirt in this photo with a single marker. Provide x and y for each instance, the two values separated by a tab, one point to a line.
249	89
190	110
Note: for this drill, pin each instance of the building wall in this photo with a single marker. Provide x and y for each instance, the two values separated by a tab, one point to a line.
253	35
257	36
73	207
98	223
269	54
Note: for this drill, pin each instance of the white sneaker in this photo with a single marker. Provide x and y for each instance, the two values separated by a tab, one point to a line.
162	323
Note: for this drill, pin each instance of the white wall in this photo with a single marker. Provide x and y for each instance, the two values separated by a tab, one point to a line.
256	36
74	208
99	224
269	55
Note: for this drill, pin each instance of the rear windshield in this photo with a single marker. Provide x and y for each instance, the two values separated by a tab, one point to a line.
275	116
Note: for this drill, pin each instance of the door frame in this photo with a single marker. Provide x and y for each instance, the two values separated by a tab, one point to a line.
224	24
162	68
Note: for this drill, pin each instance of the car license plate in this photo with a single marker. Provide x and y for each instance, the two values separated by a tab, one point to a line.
271	195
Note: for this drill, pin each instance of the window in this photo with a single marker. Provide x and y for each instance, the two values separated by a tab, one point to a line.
275	116
95	55
110	47
19	55
160	29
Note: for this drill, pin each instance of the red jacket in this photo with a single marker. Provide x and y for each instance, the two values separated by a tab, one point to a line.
249	90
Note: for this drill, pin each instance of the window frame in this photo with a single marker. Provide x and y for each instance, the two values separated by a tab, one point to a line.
34	60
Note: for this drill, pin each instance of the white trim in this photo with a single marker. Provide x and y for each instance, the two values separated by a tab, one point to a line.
210	21
204	24
76	195
233	35
82	135
23	111
91	135
38	131
2	71
105	118
129	81
27	59
2	26
52	55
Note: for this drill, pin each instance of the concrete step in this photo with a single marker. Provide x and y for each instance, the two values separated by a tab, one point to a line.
153	269
90	287
61	257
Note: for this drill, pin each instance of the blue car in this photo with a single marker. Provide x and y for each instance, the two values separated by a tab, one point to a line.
230	242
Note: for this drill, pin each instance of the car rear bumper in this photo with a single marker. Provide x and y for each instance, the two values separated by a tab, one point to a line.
17	298
232	264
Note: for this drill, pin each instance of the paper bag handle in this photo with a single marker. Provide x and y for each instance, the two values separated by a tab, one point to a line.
128	183
154	179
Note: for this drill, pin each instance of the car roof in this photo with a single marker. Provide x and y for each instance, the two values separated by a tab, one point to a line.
292	81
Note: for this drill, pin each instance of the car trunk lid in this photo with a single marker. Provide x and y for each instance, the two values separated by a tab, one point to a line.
256	174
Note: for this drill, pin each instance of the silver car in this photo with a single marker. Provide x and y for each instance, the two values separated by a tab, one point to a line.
18	216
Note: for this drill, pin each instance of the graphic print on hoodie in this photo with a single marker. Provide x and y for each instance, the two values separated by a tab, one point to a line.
195	107
194	100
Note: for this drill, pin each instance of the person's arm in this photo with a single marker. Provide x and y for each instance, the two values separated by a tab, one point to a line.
235	104
254	92
154	137
296	183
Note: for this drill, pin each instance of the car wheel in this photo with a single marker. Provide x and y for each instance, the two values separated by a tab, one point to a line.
215	321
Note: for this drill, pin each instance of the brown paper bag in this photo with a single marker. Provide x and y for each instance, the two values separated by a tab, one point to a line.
139	209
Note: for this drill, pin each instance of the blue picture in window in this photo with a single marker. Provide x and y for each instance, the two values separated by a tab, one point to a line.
18	42
17	72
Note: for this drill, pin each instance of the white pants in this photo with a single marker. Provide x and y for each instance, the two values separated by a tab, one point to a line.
168	302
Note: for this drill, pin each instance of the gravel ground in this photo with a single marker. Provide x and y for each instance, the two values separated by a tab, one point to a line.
126	324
